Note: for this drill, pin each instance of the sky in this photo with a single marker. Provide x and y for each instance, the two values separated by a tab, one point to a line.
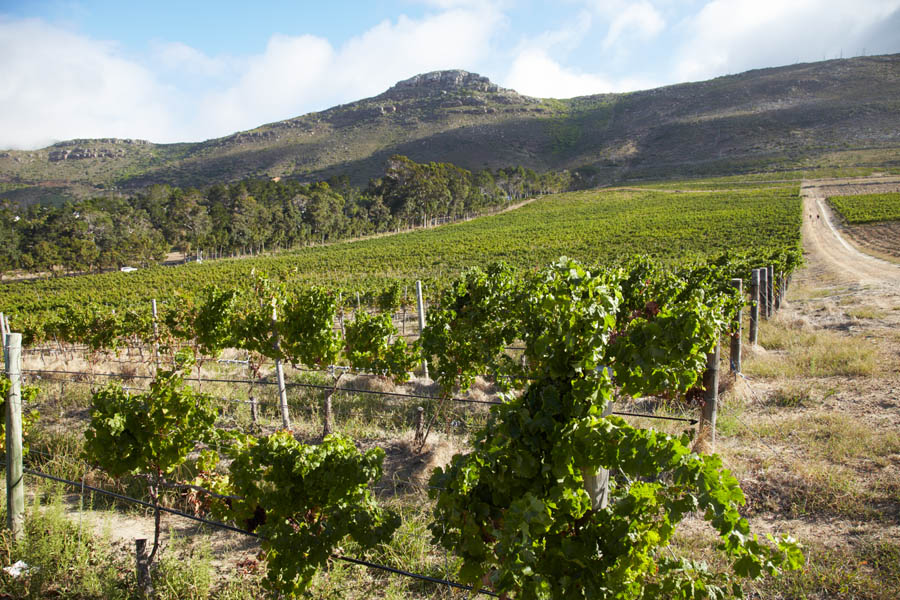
182	71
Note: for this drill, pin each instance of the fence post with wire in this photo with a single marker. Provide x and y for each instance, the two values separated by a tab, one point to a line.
754	307
15	489
736	335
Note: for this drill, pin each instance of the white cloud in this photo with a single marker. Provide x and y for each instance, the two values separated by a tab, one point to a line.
56	85
448	4
296	75
291	70
736	35
640	21
178	56
601	34
534	73
392	51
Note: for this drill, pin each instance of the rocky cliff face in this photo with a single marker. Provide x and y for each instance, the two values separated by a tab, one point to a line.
443	82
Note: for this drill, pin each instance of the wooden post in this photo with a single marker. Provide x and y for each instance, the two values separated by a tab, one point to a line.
754	307
142	566
155	334
279	374
15	486
420	305
327	415
597	484
777	291
341	314
254	410
782	289
771	279
420	426
763	292
710	398
735	352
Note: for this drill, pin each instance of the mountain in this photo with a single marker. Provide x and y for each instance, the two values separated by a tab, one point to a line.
831	112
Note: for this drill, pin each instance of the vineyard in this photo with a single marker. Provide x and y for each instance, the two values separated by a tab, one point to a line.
868	208
593	227
268	406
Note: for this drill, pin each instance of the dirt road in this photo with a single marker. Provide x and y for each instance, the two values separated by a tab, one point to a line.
829	254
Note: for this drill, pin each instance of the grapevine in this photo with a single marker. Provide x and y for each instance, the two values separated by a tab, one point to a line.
29	394
148	433
516	509
305	501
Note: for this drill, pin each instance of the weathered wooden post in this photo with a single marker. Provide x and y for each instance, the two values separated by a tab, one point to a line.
328	414
341	314
782	289
736	335
254	410
279	373
754	306
771	288
155	334
597	484
420	305
142	566
777	291
763	292
710	398
15	486
420	426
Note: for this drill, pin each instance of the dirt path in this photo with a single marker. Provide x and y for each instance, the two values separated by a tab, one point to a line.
830	254
815	448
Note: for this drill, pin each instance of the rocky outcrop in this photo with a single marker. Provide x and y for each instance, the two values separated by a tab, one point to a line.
438	82
82	153
114	141
448	80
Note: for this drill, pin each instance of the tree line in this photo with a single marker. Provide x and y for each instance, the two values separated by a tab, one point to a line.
253	215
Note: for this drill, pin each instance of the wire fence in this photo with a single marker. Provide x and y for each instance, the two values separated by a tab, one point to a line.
83	487
73	376
323	387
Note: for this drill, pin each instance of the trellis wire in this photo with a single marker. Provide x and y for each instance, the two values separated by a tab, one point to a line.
328	387
231	528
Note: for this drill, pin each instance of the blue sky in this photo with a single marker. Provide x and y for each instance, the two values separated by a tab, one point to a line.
187	71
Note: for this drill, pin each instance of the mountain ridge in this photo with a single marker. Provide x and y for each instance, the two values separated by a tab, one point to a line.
764	118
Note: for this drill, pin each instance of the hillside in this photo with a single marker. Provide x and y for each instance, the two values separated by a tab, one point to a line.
836	112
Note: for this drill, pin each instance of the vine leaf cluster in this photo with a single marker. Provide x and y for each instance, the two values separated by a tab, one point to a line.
516	508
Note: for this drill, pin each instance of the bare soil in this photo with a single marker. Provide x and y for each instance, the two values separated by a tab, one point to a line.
879	239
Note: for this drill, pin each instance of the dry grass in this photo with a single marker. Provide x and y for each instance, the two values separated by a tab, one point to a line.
793	348
867	312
